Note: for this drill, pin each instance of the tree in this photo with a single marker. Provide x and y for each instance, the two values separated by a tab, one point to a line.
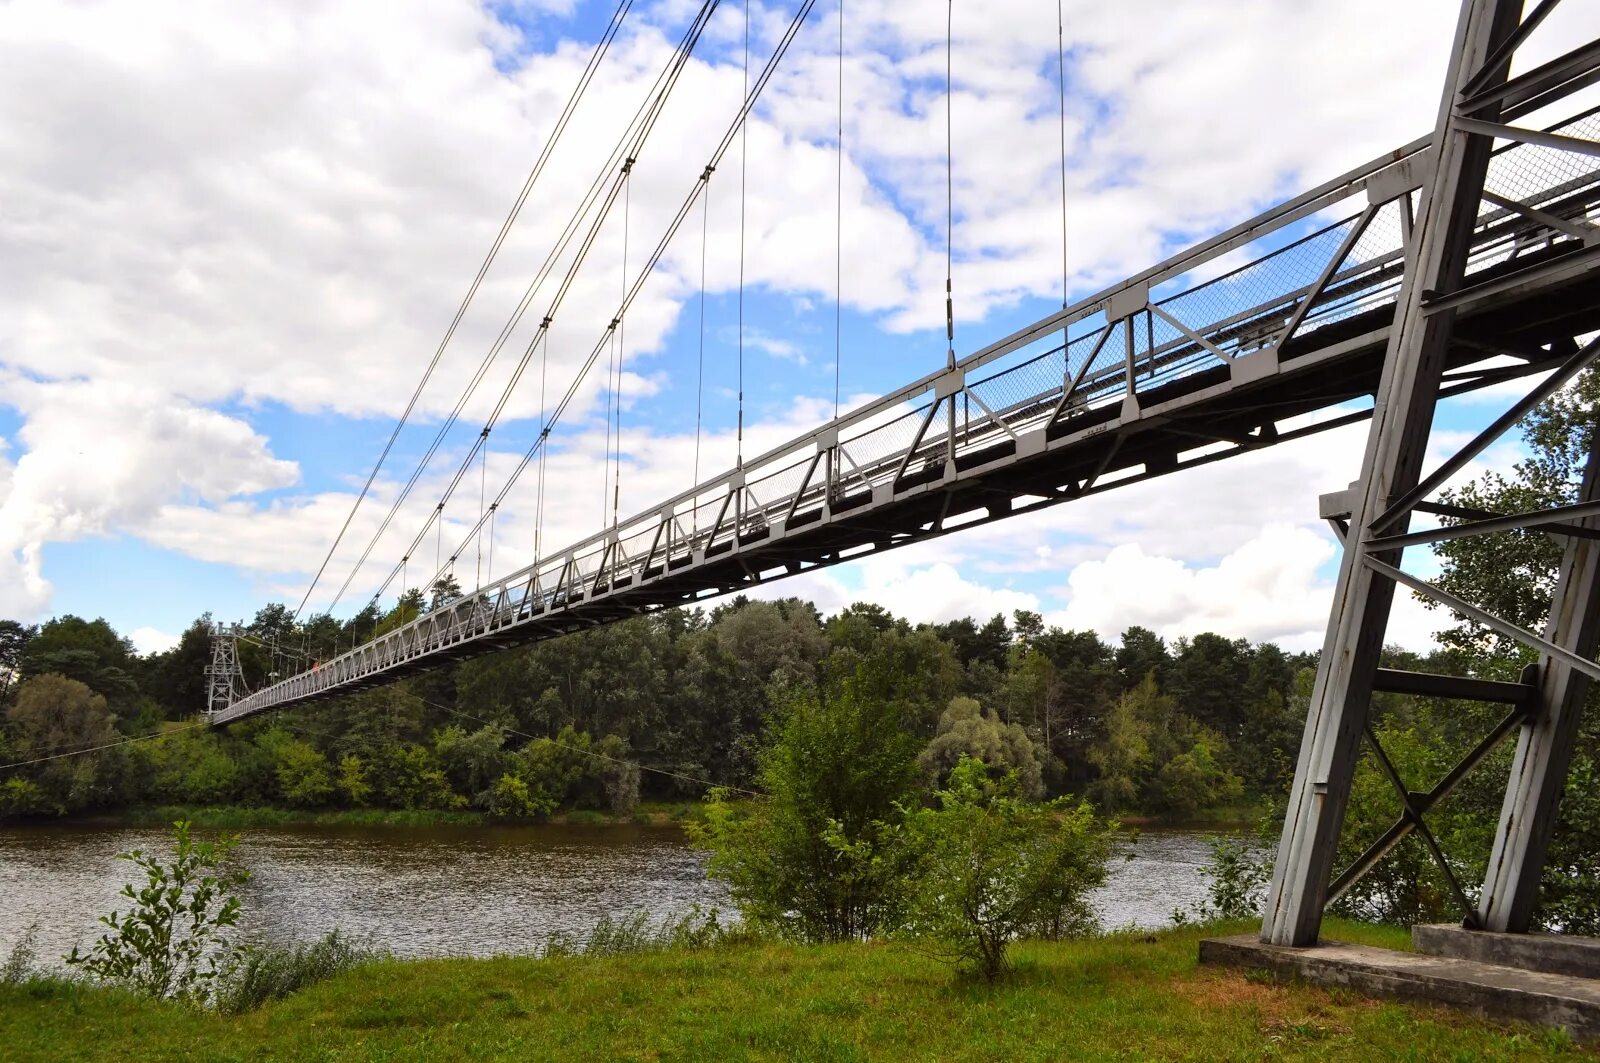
14	639
814	860
89	651
967	732
1142	654
992	866
53	714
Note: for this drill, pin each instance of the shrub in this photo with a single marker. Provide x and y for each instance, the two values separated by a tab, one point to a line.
173	941
816	859
263	971
991	867
1239	873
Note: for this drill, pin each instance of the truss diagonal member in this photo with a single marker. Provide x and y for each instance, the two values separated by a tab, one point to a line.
1363	221
1494	66
1072	385
984	406
1487	619
1523	135
1529	91
1569	369
1550	221
1192	335
1413	812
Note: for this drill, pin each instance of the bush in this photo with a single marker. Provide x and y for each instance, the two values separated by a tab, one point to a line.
1238	874
991	867
172	942
263	972
816	859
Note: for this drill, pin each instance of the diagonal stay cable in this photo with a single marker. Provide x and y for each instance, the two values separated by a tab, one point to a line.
595	58
644	117
656	255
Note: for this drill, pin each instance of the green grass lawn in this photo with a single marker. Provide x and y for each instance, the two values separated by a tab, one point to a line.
1122	997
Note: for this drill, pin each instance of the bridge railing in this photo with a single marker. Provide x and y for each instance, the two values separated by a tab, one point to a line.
1330	254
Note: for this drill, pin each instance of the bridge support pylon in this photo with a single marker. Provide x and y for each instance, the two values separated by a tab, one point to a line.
1480	101
224	676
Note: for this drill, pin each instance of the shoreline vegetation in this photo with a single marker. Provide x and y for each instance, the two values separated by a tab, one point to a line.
675	814
1121	995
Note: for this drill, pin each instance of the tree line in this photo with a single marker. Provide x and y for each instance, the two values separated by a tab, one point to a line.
659	706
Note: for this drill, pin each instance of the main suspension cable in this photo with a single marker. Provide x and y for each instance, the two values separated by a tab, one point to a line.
751	97
629	150
578	91
632	136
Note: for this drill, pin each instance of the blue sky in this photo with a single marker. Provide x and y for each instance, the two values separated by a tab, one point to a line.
211	331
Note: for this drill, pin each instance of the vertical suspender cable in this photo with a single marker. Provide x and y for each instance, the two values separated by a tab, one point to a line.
544	432
1061	67
949	197
622	346
838	230
483	493
744	159
1061	70
700	365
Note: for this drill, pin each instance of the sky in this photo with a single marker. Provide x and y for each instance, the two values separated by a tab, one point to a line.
233	236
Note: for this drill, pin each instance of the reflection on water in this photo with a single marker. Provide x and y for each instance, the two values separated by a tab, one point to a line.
465	890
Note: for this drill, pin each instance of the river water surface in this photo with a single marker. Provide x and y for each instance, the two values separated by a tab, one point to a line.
459	890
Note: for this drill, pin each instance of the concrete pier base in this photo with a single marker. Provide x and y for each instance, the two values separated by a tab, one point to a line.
1551	953
1488	989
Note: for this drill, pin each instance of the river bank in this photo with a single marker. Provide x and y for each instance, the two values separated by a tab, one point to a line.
242	817
1116	997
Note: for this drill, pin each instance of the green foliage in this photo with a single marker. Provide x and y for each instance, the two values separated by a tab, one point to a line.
173	941
512	798
966	730
1237	876
991	866
815	860
19	967
266	971
694	929
352	783
53	714
1154	756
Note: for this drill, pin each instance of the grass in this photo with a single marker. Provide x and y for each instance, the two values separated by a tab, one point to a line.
1131	997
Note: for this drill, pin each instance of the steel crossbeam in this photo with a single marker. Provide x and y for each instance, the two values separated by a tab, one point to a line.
1180	365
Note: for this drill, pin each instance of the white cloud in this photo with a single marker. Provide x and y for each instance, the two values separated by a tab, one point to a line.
147	640
1267	590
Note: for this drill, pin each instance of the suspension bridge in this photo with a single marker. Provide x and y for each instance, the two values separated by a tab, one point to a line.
1466	258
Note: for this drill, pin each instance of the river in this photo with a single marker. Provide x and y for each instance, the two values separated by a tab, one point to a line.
460	890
